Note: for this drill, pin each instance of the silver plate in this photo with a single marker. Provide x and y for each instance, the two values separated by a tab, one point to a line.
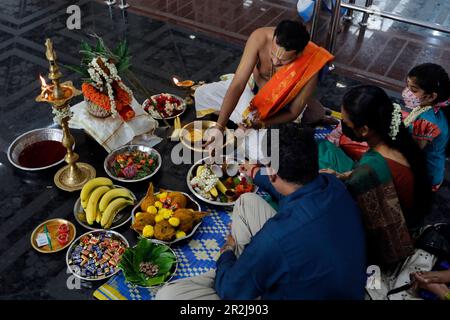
76	242
155	114
119	220
30	137
194	205
128	148
189	177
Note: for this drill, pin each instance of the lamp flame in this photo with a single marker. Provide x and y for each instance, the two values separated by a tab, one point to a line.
175	80
43	83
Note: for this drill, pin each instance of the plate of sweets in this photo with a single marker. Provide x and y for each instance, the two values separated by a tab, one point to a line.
53	235
96	254
166	105
166	216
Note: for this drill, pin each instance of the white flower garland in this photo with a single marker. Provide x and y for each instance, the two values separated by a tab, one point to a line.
96	73
396	121
61	114
417	111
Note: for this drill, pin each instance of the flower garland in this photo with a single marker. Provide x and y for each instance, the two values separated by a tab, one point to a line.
396	121
111	81
60	114
417	111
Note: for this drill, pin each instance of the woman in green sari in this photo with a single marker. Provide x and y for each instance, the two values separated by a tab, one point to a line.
389	182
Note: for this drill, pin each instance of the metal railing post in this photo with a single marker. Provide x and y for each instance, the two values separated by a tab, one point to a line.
366	15
315	20
349	15
334	26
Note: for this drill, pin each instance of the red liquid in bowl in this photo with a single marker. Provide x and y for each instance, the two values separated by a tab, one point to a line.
42	154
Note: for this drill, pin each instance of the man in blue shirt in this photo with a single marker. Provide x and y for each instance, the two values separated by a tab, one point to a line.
312	247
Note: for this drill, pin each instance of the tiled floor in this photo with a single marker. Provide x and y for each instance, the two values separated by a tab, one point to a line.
382	53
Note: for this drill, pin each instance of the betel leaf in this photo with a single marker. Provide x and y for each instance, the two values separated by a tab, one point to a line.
147	251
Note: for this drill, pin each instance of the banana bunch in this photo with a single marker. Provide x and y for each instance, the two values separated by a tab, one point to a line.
102	201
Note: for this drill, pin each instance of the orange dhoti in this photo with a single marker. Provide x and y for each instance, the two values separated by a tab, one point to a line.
287	83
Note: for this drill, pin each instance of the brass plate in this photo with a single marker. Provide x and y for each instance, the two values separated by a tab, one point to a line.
203	125
52	226
62	179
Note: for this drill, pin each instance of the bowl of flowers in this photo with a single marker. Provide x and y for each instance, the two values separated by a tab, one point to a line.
104	92
164	105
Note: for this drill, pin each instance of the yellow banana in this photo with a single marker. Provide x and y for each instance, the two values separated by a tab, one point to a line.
221	186
214	192
91	210
199	170
89	187
113	194
112	209
84	204
99	216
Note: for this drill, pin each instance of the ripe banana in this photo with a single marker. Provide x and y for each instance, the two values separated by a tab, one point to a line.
91	210
214	192
89	187
199	170
112	209
99	217
221	186
113	194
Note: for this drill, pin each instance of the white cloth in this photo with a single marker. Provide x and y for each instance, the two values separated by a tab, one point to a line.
419	261
209	98
250	213
112	132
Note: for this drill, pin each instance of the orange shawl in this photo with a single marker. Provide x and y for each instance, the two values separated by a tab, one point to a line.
288	81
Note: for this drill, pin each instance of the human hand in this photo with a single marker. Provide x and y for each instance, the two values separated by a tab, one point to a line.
248	169
214	139
230	244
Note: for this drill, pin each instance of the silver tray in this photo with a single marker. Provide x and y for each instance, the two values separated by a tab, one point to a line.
194	205
155	114
189	177
75	243
119	220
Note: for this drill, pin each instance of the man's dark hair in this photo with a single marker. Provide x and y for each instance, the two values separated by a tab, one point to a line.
291	35
298	154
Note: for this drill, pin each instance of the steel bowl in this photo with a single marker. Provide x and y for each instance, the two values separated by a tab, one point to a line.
115	234
30	137
156	115
128	148
202	125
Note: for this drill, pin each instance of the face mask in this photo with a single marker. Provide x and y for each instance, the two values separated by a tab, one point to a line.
346	130
411	101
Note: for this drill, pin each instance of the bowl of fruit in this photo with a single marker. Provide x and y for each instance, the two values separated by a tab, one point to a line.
219	183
